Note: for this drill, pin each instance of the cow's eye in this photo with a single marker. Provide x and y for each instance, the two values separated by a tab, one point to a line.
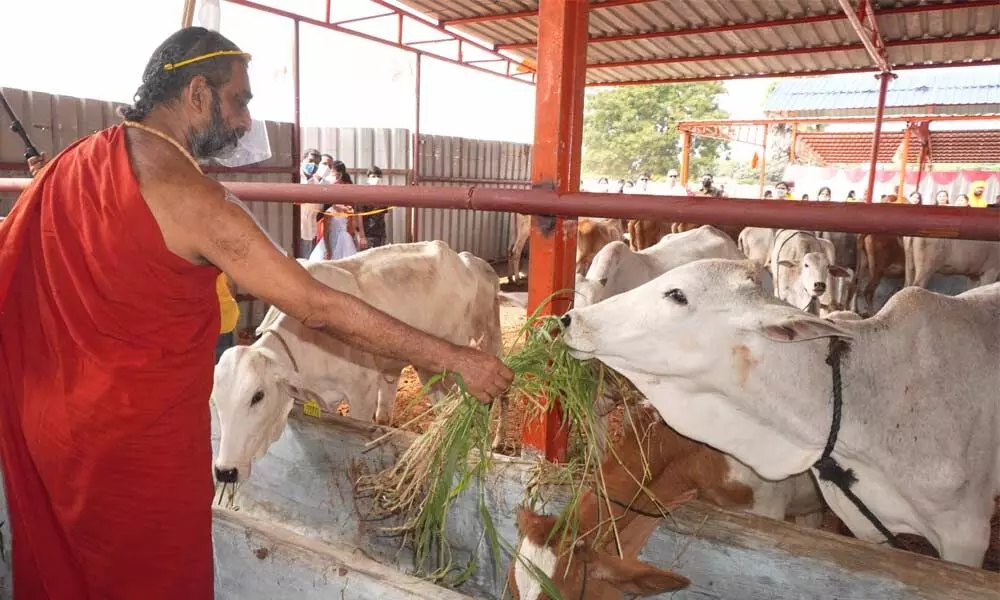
677	296
256	398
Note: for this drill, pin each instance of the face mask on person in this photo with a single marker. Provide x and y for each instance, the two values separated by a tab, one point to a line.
323	171
374	181
309	168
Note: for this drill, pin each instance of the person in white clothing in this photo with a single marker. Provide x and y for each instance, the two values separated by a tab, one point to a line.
336	240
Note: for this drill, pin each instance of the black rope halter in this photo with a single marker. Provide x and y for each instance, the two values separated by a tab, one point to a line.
827	467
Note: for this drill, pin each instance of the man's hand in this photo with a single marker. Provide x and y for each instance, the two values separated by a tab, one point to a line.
485	376
35	163
204	224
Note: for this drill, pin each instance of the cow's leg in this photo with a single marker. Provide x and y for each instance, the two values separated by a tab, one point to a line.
908	262
385	399
876	268
514	259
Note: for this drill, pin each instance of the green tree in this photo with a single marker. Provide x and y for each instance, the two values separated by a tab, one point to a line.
630	130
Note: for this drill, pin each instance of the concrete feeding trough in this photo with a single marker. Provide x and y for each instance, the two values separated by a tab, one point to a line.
299	505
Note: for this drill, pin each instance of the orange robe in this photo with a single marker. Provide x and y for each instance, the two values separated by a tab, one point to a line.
106	357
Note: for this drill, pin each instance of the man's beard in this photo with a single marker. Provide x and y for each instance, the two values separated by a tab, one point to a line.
217	138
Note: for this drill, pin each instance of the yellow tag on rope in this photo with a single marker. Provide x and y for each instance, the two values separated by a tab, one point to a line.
311	408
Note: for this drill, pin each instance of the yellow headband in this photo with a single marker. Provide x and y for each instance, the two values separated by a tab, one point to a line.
177	65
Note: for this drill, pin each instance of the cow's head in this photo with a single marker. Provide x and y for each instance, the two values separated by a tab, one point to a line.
810	273
579	572
253	395
699	343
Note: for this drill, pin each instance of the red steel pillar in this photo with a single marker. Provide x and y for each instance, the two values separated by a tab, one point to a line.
562	50
296	136
883	88
904	152
412	214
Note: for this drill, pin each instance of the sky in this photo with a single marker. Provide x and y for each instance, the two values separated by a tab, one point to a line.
98	48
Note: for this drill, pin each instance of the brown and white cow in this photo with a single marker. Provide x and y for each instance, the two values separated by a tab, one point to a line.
674	469
592	235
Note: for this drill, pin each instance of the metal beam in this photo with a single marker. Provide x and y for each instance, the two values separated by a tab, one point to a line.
883	88
734	27
816	73
533	13
785	52
905	149
925	221
562	34
393	44
871	39
687	125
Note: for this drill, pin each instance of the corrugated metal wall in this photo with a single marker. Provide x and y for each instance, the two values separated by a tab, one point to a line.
361	149
53	122
451	161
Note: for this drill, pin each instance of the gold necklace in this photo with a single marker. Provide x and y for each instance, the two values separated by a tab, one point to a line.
166	137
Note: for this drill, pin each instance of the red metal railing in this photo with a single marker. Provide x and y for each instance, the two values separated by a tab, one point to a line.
890	219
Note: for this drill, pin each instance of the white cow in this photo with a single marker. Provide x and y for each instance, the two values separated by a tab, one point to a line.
803	268
926	257
755	243
617	268
426	285
727	364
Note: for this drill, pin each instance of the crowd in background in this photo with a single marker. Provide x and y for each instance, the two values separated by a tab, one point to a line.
334	231
975	197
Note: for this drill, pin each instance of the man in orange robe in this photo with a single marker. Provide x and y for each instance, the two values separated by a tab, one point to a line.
108	320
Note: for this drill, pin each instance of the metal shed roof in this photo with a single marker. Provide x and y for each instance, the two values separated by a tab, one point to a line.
666	41
961	91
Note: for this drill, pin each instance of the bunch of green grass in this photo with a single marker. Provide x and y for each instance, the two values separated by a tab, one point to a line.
454	454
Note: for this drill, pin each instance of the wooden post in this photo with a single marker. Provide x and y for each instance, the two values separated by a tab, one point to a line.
562	49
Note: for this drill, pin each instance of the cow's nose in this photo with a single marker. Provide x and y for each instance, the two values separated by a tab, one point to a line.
566	320
226	475
819	287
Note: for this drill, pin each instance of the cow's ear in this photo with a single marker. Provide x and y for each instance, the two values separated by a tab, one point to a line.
632	576
786	263
800	327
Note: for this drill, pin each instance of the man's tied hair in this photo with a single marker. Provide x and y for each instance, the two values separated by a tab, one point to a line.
160	85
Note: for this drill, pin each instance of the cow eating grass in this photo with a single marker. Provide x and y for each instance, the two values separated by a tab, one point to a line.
427	285
729	365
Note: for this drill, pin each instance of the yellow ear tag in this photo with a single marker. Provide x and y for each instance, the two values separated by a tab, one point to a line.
311	408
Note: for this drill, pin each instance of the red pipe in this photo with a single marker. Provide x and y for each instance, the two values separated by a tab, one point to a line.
882	89
297	130
837	16
890	219
787	52
972	63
